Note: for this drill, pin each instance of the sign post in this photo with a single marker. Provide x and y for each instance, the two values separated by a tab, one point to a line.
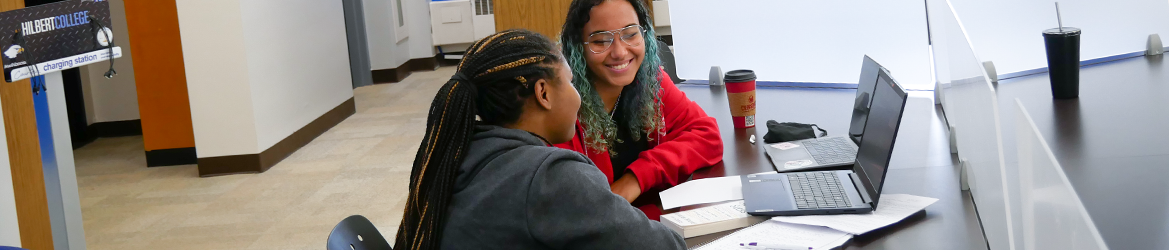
39	42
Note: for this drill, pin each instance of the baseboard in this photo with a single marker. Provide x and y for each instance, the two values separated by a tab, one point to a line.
116	128
109	129
258	163
393	75
171	157
443	62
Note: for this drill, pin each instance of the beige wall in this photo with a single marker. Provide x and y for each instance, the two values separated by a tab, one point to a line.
217	77
258	70
113	99
292	85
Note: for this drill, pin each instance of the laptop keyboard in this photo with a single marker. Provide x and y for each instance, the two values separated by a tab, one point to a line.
831	151
817	190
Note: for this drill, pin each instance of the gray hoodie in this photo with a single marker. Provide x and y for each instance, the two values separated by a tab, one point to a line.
513	192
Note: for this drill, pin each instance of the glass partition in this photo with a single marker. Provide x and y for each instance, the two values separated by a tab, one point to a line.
970	106
1051	214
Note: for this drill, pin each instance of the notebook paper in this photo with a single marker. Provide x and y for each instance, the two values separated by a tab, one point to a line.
775	232
891	209
702	191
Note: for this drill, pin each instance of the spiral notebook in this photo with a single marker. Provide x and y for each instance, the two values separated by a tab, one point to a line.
775	232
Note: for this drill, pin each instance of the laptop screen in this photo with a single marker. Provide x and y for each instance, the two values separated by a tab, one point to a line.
864	97
872	159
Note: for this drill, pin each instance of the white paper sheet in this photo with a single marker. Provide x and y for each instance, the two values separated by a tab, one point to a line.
775	232
702	191
890	209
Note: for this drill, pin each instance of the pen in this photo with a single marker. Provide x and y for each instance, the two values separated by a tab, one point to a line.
762	246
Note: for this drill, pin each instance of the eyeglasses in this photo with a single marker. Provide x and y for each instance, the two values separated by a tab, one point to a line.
599	42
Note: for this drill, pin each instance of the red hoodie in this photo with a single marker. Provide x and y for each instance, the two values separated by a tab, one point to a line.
691	141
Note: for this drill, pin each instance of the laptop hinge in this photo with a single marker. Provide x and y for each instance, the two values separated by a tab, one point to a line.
860	188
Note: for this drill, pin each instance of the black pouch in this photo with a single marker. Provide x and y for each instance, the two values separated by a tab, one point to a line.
791	131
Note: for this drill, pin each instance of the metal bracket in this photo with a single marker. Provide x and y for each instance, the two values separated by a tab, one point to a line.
953	139
938	94
716	76
990	71
1155	47
964	175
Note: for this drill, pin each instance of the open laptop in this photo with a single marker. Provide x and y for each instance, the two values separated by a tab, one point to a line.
830	151
836	191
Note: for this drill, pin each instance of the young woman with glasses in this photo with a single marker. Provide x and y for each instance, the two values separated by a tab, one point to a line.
638	128
486	175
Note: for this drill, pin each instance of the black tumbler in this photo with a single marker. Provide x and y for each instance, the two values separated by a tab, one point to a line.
1063	61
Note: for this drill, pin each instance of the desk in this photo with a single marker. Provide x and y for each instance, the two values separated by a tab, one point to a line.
921	163
1113	144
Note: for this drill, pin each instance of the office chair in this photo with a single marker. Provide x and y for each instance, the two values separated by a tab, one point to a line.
667	57
11	248
356	233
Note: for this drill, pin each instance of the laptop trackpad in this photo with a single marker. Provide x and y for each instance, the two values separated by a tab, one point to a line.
790	158
767	193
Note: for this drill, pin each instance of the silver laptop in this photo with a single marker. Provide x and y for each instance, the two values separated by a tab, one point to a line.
836	191
830	151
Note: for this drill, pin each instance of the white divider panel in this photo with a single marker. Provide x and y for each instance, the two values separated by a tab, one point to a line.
802	41
1008	32
971	108
1052	215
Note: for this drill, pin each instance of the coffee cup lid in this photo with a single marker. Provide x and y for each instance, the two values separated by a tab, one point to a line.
741	75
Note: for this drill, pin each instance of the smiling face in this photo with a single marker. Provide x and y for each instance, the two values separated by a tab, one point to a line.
618	65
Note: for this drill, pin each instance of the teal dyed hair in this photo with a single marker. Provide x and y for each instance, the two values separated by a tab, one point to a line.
645	116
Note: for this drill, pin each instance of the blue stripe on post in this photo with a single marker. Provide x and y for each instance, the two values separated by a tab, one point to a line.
49	162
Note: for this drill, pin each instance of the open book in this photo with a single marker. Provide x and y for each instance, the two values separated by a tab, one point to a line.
708	220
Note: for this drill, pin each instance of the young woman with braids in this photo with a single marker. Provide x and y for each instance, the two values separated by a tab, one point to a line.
639	129
497	183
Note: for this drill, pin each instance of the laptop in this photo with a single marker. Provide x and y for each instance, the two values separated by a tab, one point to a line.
836	191
830	151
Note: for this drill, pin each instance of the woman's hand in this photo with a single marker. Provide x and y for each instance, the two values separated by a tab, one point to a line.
627	187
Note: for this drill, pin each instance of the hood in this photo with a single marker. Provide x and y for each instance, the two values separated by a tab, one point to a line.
487	143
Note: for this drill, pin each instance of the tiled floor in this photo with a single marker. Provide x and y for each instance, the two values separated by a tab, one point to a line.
361	166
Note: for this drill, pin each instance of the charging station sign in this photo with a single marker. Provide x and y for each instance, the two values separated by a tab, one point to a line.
54	37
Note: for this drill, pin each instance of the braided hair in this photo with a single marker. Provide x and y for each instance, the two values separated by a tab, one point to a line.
645	116
494	79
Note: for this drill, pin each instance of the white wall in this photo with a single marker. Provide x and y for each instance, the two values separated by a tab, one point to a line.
9	230
418	18
291	85
114	99
385	51
259	70
1009	32
216	62
802	41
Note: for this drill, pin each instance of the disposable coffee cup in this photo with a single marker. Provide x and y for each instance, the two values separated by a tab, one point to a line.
740	86
1063	61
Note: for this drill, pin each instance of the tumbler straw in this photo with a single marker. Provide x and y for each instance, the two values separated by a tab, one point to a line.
1058	18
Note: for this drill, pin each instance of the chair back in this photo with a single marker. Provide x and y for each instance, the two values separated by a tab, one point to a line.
667	57
356	233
